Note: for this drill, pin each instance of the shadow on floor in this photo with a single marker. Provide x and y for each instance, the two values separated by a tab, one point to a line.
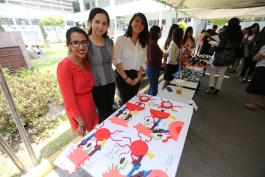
226	139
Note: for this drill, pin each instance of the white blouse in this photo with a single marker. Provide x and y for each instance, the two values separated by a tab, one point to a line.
129	55
261	63
174	53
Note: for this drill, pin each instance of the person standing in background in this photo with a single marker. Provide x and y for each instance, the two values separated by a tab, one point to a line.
100	57
249	42
214	29
225	54
188	44
206	46
130	56
169	35
76	83
174	56
200	40
256	87
154	60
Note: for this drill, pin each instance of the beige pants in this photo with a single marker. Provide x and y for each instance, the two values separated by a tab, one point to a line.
220	72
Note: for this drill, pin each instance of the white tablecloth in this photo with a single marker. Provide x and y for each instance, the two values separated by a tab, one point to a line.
115	156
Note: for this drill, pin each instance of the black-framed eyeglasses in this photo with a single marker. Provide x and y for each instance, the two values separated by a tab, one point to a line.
78	43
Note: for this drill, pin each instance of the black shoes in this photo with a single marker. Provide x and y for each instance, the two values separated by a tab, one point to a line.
212	91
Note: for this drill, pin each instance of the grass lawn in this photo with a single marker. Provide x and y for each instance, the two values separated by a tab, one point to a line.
51	57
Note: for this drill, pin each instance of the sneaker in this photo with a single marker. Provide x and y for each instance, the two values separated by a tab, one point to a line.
250	106
215	92
210	90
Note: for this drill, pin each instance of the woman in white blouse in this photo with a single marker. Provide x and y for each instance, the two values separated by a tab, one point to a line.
130	53
174	56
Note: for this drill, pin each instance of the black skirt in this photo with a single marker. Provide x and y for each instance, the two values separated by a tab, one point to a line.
169	70
257	83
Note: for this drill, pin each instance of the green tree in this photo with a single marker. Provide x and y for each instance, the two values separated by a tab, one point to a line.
44	35
219	21
52	21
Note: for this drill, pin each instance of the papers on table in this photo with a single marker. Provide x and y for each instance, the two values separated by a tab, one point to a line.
151	143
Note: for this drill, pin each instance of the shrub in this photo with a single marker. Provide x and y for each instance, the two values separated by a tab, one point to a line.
32	93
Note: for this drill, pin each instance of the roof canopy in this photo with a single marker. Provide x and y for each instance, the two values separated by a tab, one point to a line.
210	9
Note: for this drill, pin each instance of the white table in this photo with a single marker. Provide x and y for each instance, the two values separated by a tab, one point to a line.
187	84
184	97
164	151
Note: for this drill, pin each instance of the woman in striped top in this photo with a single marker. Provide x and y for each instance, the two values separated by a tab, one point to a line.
100	57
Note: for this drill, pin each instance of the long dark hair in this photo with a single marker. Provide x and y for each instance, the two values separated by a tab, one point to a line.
144	35
169	36
154	30
177	36
91	16
233	31
189	29
260	39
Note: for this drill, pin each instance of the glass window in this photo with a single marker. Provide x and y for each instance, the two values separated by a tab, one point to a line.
76	7
35	21
70	23
104	3
153	22
179	19
15	3
21	21
89	4
8	21
123	1
174	20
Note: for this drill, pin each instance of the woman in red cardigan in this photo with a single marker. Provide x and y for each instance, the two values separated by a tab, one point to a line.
76	83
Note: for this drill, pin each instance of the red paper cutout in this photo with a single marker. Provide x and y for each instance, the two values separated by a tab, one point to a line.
134	107
102	134
78	156
144	98
119	121
166	104
142	129
159	114
157	173
139	148
112	172
175	128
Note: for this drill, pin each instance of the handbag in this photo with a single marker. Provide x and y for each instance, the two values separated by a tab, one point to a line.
224	58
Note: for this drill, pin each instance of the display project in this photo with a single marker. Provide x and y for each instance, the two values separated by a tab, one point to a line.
188	74
145	137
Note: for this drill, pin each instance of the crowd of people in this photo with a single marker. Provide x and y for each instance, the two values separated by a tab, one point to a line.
88	81
34	51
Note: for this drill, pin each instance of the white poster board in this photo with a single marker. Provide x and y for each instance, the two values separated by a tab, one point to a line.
146	136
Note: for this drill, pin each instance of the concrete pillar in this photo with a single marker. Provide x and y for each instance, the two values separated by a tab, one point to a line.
81	5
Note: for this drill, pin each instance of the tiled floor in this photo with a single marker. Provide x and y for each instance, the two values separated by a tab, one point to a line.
225	139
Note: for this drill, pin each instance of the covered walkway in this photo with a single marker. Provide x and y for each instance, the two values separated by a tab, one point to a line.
225	139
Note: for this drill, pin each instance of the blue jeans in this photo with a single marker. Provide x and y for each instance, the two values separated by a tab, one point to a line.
153	75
